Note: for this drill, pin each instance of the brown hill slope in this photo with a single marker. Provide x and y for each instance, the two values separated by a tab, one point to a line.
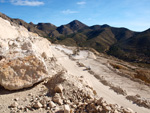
119	42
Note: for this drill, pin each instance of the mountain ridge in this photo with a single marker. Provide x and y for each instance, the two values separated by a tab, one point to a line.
120	42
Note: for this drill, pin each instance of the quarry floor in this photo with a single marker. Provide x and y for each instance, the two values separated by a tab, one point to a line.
99	66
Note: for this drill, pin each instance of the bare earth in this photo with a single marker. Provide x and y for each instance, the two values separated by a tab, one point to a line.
99	66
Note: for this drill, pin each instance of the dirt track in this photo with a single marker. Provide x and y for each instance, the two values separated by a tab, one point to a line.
102	90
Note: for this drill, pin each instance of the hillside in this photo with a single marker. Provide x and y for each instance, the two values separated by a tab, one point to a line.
39	77
119	42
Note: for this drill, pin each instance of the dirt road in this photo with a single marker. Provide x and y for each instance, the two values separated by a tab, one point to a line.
102	90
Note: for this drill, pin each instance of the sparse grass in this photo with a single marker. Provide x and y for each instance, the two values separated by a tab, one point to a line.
118	90
143	74
139	101
117	66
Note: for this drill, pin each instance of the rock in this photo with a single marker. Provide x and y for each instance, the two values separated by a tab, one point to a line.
24	64
26	45
52	104
128	110
20	107
43	102
44	55
37	105
100	101
91	55
10	43
58	88
22	72
30	94
57	99
66	109
16	99
14	104
107	108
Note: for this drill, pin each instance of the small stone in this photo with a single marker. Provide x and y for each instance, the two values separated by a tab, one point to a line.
14	104
73	106
43	102
108	108
137	95
116	111
16	99
29	107
26	99
58	88
66	109
57	99
100	101
30	94
44	55
128	110
52	104
21	107
10	43
37	105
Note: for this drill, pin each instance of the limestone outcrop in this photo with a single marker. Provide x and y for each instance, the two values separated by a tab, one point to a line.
23	57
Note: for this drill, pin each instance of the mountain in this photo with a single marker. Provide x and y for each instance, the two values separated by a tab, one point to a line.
46	27
71	27
119	42
64	30
76	25
30	26
136	48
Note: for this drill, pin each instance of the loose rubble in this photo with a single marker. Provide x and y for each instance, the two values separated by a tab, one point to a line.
73	98
139	101
27	59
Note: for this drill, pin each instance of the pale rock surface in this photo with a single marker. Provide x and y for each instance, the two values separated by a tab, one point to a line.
91	55
57	99
37	105
66	109
23	57
52	104
128	110
14	104
58	88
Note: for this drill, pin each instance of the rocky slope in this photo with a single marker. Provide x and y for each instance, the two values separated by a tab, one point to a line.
119	42
27	59
24	57
59	82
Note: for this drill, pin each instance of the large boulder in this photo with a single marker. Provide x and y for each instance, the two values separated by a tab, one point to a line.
23	57
21	72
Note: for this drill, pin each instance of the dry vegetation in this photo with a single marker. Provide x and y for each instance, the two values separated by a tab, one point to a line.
139	101
117	66
143	74
140	73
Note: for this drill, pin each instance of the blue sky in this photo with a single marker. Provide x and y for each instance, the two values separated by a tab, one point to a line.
132	14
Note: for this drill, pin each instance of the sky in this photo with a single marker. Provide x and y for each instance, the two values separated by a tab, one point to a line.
132	14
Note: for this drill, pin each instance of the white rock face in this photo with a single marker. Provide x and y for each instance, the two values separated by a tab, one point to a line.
23	57
66	109
91	55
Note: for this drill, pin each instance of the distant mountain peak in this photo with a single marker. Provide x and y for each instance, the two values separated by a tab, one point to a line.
31	23
76	25
105	25
76	22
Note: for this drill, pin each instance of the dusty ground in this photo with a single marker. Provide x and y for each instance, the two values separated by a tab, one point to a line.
98	66
23	97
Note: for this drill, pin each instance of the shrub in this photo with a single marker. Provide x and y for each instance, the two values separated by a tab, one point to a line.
144	75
